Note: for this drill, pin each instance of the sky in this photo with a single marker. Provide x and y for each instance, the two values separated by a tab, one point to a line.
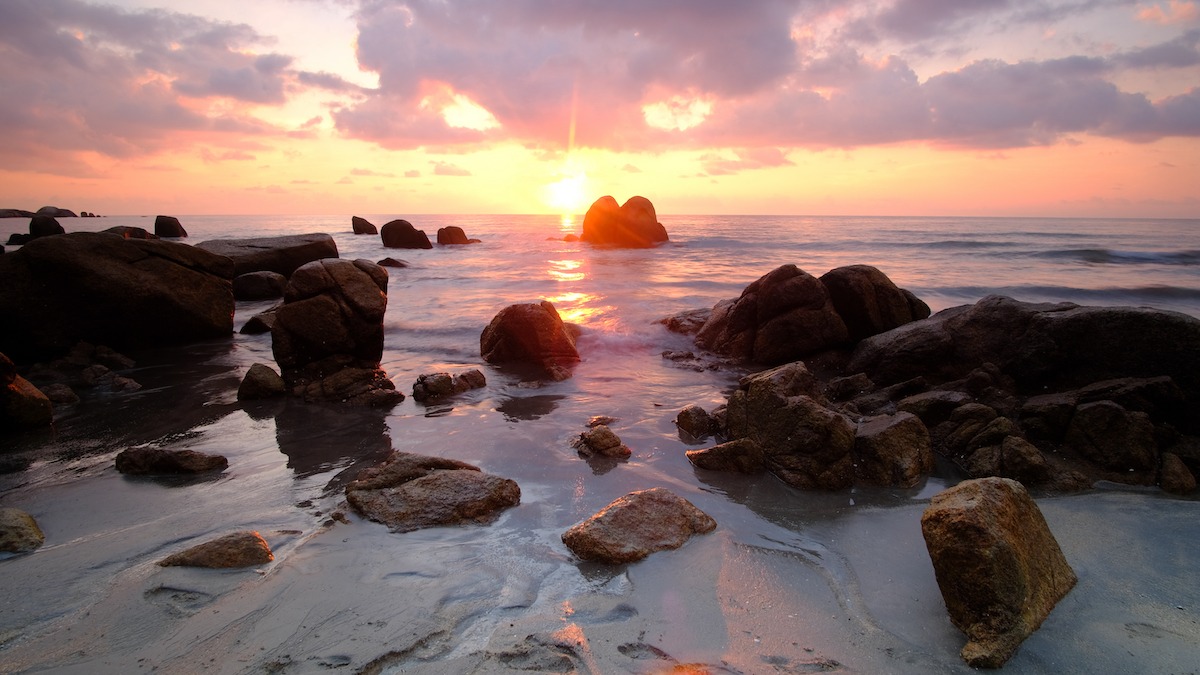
1073	108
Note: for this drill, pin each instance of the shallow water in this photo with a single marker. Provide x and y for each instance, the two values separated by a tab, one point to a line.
789	582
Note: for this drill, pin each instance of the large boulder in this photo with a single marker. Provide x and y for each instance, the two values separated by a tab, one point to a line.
19	532
168	226
56	212
328	334
997	564
530	334
124	293
362	226
631	225
402	234
410	492
636	525
283	255
453	235
44	226
869	302
240	549
259	286
783	316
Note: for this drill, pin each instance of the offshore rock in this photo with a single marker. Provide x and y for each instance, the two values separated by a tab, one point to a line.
433	386
283	255
168	226
453	235
44	226
410	492
160	461
124	293
56	212
632	225
240	549
636	525
997	564
401	234
362	226
602	442
19	532
531	334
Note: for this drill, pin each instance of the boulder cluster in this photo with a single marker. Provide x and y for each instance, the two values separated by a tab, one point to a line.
401	233
633	224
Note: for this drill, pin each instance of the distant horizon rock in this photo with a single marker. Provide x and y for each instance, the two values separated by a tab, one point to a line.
631	225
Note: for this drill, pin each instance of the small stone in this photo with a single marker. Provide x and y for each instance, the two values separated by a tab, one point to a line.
19	532
240	549
636	525
152	461
600	440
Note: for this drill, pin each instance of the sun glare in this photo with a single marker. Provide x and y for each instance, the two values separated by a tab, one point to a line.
567	195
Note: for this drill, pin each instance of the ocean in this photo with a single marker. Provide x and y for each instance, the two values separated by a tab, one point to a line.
790	582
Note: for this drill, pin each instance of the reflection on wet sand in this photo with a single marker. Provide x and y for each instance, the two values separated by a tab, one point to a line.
318	438
526	408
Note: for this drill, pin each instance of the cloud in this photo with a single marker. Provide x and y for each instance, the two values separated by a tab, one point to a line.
448	169
1175	11
370	172
745	160
412	173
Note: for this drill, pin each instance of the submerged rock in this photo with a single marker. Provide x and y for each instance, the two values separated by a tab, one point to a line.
240	549
433	386
531	334
997	564
600	441
160	461
632	225
19	532
410	492
636	525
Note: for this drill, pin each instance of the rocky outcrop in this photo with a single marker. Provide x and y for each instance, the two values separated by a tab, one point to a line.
56	212
362	226
168	226
435	386
259	286
868	302
240	549
44	226
16	213
453	235
160	461
997	564
740	456
22	405
631	225
19	532
892	450
328	334
530	335
130	232
636	525
410	492
401	234
260	382
124	293
283	255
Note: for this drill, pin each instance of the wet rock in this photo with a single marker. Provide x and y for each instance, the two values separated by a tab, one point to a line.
1047	416
965	423
453	235
401	234
125	293
1013	457
282	255
262	322
19	532
1175	477
22	405
600	441
848	387
632	225
433	386
160	461
531	334
687	322
168	226
261	381
410	492
362	226
695	422
259	286
239	549
393	262
998	566
892	450
60	394
869	302
933	407
636	525
740	456
1113	438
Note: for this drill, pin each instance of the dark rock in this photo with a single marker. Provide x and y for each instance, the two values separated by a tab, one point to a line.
600	441
130	232
531	334
964	424
362	226
453	235
868	302
159	461
740	456
44	226
409	492
695	422
1046	417
848	387
1113	438
393	262
168	226
60	394
636	525
55	212
22	405
261	381
632	225
434	386
18	239
262	322
19	532
240	549
892	450
997	564
687	323
124	293
283	255
16	213
259	286
402	234
933	407
1175	477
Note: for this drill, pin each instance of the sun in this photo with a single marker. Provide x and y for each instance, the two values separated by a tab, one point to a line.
568	194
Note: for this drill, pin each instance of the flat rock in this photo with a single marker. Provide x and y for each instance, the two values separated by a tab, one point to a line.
273	254
159	461
636	525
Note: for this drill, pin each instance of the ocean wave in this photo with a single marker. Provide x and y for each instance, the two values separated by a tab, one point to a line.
1105	256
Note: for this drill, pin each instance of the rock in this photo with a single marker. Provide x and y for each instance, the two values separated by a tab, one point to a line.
240	549
1114	438
636	525
892	450
283	255
409	492
1046	416
159	461
393	262
402	234
259	286
262	322
362	226
933	407
600	441
530	334
688	322
44	226
632	225
1175	477
328	334
22	405
805	444
261	381
60	394
740	456
997	564
19	532
453	235
695	422
783	316
18	239
434	386
130	232
168	226
125	293
56	212
868	302
16	213
964	424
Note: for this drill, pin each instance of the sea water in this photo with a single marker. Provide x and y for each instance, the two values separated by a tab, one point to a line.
791	581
